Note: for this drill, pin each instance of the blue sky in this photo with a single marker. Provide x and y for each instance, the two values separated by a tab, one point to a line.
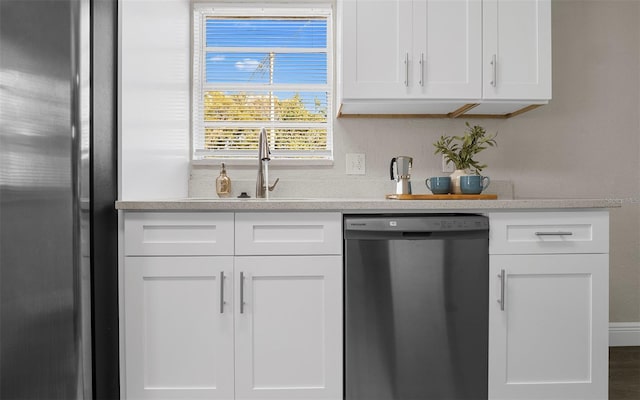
253	67
236	32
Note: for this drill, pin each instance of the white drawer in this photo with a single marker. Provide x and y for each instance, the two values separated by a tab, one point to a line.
288	233
173	234
549	232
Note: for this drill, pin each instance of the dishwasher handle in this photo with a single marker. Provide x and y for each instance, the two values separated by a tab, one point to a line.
404	235
417	235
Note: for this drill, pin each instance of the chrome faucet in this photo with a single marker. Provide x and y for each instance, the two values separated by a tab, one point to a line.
262	182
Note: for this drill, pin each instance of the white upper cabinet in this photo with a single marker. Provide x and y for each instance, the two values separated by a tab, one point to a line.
411	49
447	44
375	41
443	56
517	49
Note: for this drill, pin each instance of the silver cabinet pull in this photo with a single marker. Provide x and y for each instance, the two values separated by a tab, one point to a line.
422	69
406	69
502	277
221	292
494	67
241	292
554	233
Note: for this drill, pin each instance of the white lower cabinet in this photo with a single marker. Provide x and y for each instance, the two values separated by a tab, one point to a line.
178	342
548	313
289	330
249	306
257	326
550	341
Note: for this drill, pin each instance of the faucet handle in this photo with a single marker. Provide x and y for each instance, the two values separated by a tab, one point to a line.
274	185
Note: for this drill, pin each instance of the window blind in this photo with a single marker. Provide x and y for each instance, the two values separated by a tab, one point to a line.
257	68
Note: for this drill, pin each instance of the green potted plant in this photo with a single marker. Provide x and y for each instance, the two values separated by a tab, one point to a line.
461	150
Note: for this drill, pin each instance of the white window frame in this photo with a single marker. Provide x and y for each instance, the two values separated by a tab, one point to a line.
200	12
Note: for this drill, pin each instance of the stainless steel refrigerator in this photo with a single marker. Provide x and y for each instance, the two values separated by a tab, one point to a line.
52	304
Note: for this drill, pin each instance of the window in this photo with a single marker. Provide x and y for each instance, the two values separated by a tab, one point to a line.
262	67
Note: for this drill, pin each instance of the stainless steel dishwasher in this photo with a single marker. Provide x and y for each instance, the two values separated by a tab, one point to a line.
416	306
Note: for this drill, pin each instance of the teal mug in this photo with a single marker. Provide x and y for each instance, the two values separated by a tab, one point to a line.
439	184
474	184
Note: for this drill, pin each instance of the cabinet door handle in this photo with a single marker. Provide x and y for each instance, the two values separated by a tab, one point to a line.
241	292
502	277
406	69
554	233
422	69
221	292
494	67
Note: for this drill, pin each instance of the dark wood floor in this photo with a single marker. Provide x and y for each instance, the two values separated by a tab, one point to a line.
624	373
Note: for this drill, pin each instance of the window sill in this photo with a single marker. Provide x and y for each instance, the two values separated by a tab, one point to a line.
273	163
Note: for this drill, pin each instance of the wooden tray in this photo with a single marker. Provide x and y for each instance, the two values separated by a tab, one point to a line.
442	196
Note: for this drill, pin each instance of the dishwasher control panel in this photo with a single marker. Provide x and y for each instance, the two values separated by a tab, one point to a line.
417	223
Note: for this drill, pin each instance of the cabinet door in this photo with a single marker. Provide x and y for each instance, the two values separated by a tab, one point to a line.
289	329
551	339
447	49
376	47
517	49
178	339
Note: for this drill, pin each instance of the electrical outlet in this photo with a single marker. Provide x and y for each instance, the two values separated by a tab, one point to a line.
355	164
447	167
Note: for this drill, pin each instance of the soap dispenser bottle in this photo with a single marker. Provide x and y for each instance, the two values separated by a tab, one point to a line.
223	183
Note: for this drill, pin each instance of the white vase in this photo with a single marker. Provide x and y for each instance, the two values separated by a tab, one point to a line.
455	180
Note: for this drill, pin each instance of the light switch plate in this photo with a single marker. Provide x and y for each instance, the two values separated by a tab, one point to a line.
356	164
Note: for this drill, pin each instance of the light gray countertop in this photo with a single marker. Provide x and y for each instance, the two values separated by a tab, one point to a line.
360	205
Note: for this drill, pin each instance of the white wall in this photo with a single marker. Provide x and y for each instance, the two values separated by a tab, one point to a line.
154	98
585	143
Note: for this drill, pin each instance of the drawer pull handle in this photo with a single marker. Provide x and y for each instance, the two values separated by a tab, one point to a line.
406	69
554	233
241	292
221	292
494	69
422	69
502	277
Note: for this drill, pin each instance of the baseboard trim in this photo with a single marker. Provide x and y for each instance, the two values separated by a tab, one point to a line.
624	334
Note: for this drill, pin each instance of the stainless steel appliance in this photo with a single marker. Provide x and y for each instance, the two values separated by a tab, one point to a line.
57	222
416	307
401	173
